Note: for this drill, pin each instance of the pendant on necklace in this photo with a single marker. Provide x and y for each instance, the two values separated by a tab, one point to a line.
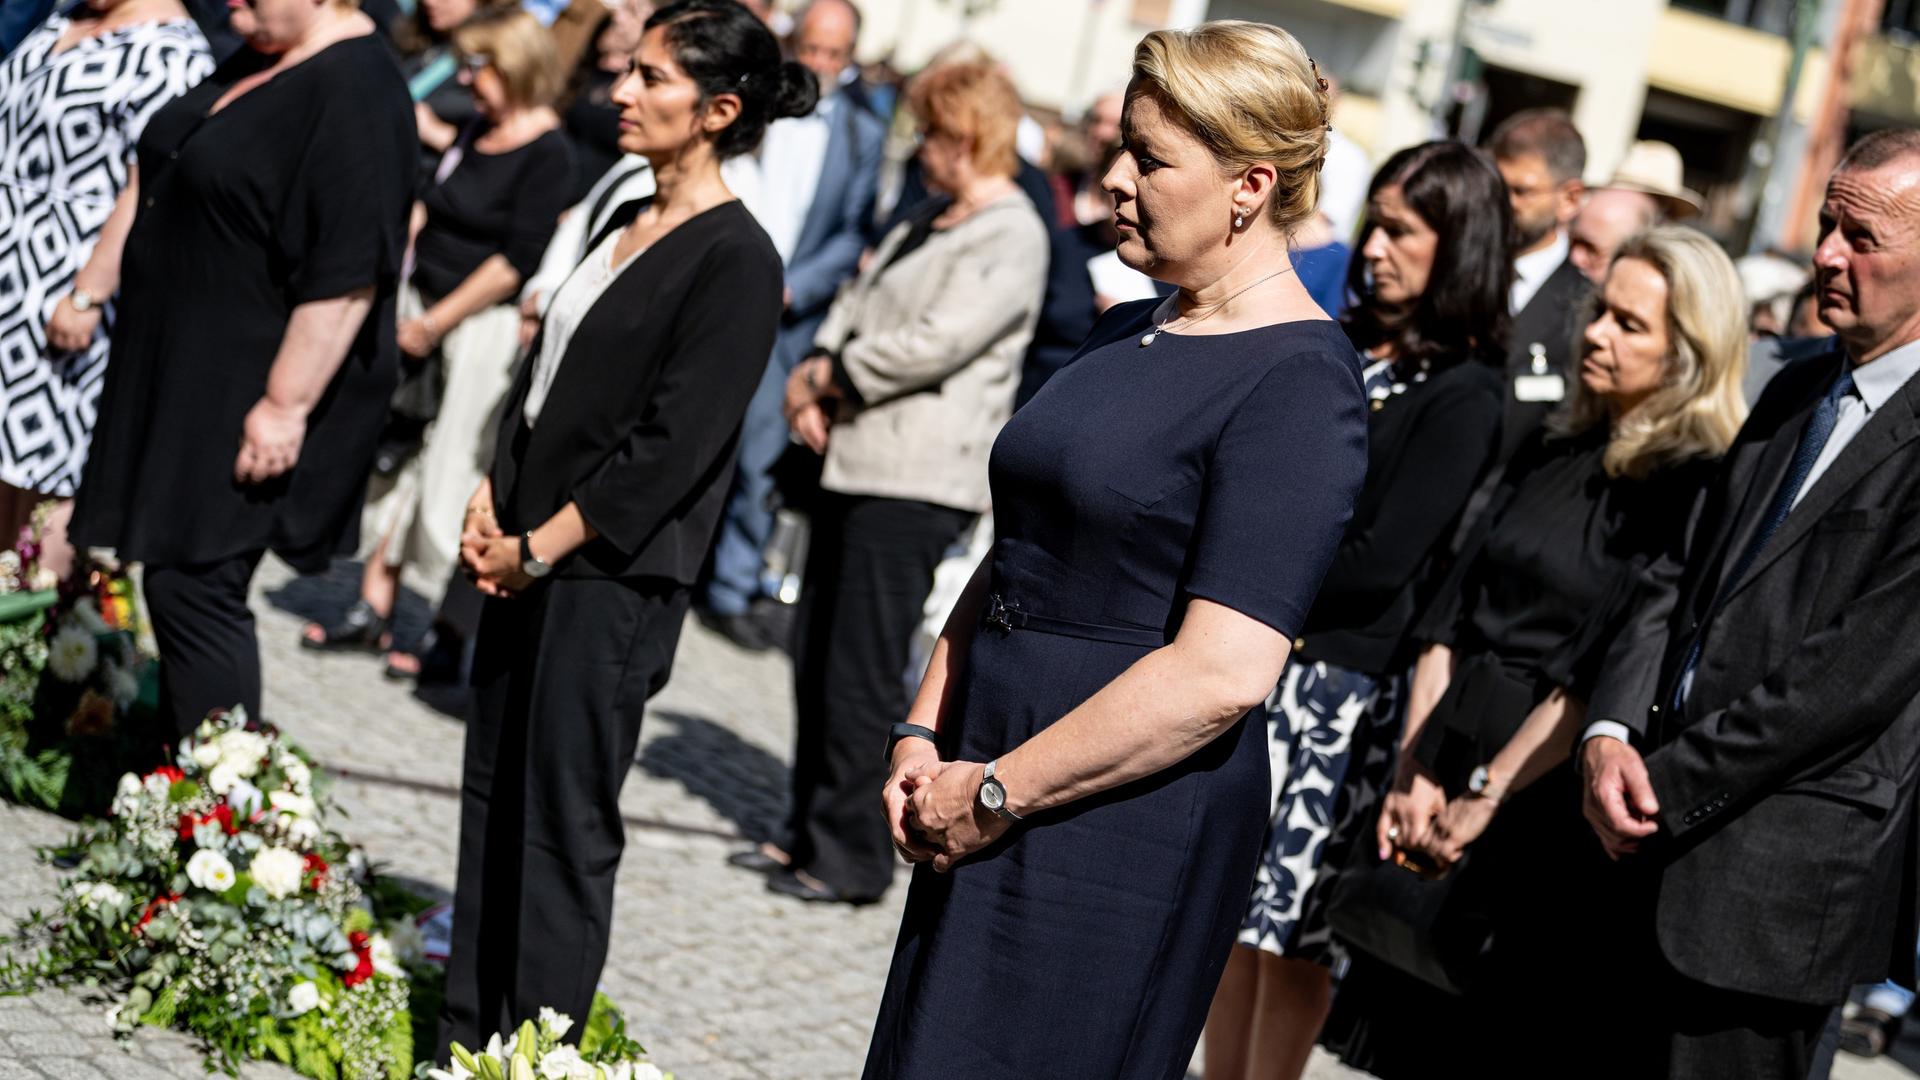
1146	339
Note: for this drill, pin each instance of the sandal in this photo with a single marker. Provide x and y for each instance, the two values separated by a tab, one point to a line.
359	630
435	661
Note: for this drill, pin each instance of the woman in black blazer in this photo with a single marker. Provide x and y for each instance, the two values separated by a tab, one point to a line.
1431	316
615	449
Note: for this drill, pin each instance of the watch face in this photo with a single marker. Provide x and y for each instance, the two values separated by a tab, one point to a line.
992	795
1477	782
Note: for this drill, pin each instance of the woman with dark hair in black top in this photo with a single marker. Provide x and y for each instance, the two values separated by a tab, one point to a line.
615	449
485	220
257	314
1432	281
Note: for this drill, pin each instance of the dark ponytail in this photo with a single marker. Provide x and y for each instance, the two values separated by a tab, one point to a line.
724	49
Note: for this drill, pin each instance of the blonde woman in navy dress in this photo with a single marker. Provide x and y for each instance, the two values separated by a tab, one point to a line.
1078	778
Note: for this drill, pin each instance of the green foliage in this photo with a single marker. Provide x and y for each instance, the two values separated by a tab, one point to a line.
604	1039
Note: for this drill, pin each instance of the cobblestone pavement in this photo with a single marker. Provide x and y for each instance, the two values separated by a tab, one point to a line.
720	978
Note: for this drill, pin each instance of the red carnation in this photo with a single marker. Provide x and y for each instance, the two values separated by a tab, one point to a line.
171	772
153	908
363	969
186	826
223	814
317	867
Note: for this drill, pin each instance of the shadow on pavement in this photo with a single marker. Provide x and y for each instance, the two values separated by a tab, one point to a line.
323	597
744	783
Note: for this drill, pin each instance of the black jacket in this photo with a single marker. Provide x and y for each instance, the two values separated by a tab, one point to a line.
1555	319
641	424
1426	449
1786	790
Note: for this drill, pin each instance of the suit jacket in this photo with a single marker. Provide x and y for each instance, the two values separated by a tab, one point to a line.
932	341
1786	789
641	424
1554	319
834	234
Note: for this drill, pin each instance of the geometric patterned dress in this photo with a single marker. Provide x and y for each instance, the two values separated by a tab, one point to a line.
69	122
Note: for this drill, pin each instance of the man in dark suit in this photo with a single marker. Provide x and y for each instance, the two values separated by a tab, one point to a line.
1756	733
1541	157
818	176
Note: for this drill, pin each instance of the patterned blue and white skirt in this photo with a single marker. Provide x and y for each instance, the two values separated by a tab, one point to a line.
1333	734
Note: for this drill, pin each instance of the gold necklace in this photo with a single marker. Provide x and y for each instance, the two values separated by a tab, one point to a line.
1147	338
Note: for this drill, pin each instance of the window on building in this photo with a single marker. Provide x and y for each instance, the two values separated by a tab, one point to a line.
1770	16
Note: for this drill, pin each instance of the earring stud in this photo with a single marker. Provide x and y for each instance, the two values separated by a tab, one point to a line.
1240	219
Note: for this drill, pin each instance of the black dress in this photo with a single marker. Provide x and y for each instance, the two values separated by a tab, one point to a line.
1088	942
297	191
1545	582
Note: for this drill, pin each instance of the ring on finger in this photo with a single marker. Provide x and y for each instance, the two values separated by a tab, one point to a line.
1393	832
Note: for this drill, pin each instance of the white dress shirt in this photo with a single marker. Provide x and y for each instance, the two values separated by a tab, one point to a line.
1874	383
791	158
1532	271
571	302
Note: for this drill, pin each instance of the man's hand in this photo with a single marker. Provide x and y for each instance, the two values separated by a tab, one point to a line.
270	441
1617	796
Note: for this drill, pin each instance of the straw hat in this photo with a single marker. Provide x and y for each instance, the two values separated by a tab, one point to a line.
1654	168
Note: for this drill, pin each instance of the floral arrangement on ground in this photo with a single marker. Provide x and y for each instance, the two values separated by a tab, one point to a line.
65	738
217	900
535	1052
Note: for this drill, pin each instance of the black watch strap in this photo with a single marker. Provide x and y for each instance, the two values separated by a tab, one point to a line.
905	730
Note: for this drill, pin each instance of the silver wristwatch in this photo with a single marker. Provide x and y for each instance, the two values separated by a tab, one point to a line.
82	300
530	563
993	794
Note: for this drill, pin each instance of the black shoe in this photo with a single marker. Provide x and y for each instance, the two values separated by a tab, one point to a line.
359	630
436	660
743	630
788	882
756	860
1868	1033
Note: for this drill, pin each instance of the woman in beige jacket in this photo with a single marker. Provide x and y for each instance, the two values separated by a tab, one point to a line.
914	374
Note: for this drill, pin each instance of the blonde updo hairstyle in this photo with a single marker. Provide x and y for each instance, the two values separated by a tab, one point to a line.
1250	93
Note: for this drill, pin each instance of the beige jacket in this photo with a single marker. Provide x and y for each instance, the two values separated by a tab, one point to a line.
934	345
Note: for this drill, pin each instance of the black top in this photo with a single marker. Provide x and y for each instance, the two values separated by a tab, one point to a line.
642	421
1556	561
1427	446
295	192
1222	467
492	204
593	126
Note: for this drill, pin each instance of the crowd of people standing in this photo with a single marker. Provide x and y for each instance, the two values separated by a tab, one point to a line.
1367	582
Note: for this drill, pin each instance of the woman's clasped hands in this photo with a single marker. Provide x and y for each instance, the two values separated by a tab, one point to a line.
1423	829
933	809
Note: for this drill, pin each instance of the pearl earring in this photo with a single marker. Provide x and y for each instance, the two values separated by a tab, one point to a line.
1239	219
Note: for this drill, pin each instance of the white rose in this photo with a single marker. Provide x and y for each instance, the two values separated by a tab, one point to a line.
243	750
245	799
278	871
72	654
557	1023
647	1071
303	831
210	870
286	802
299	777
302	999
129	785
222	778
206	754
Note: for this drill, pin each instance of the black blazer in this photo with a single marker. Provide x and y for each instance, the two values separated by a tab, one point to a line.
1426	449
1555	319
641	424
1786	790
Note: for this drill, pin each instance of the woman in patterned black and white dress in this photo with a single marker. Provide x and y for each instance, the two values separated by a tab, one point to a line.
1431	316
74	98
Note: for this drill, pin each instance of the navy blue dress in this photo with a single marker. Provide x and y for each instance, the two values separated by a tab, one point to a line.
1088	941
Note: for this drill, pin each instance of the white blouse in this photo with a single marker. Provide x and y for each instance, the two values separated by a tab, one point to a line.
576	297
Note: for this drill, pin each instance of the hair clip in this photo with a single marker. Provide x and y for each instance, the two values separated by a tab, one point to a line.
1326	116
743	78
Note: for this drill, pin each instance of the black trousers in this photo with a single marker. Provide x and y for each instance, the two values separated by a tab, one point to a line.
870	567
561	678
209	653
